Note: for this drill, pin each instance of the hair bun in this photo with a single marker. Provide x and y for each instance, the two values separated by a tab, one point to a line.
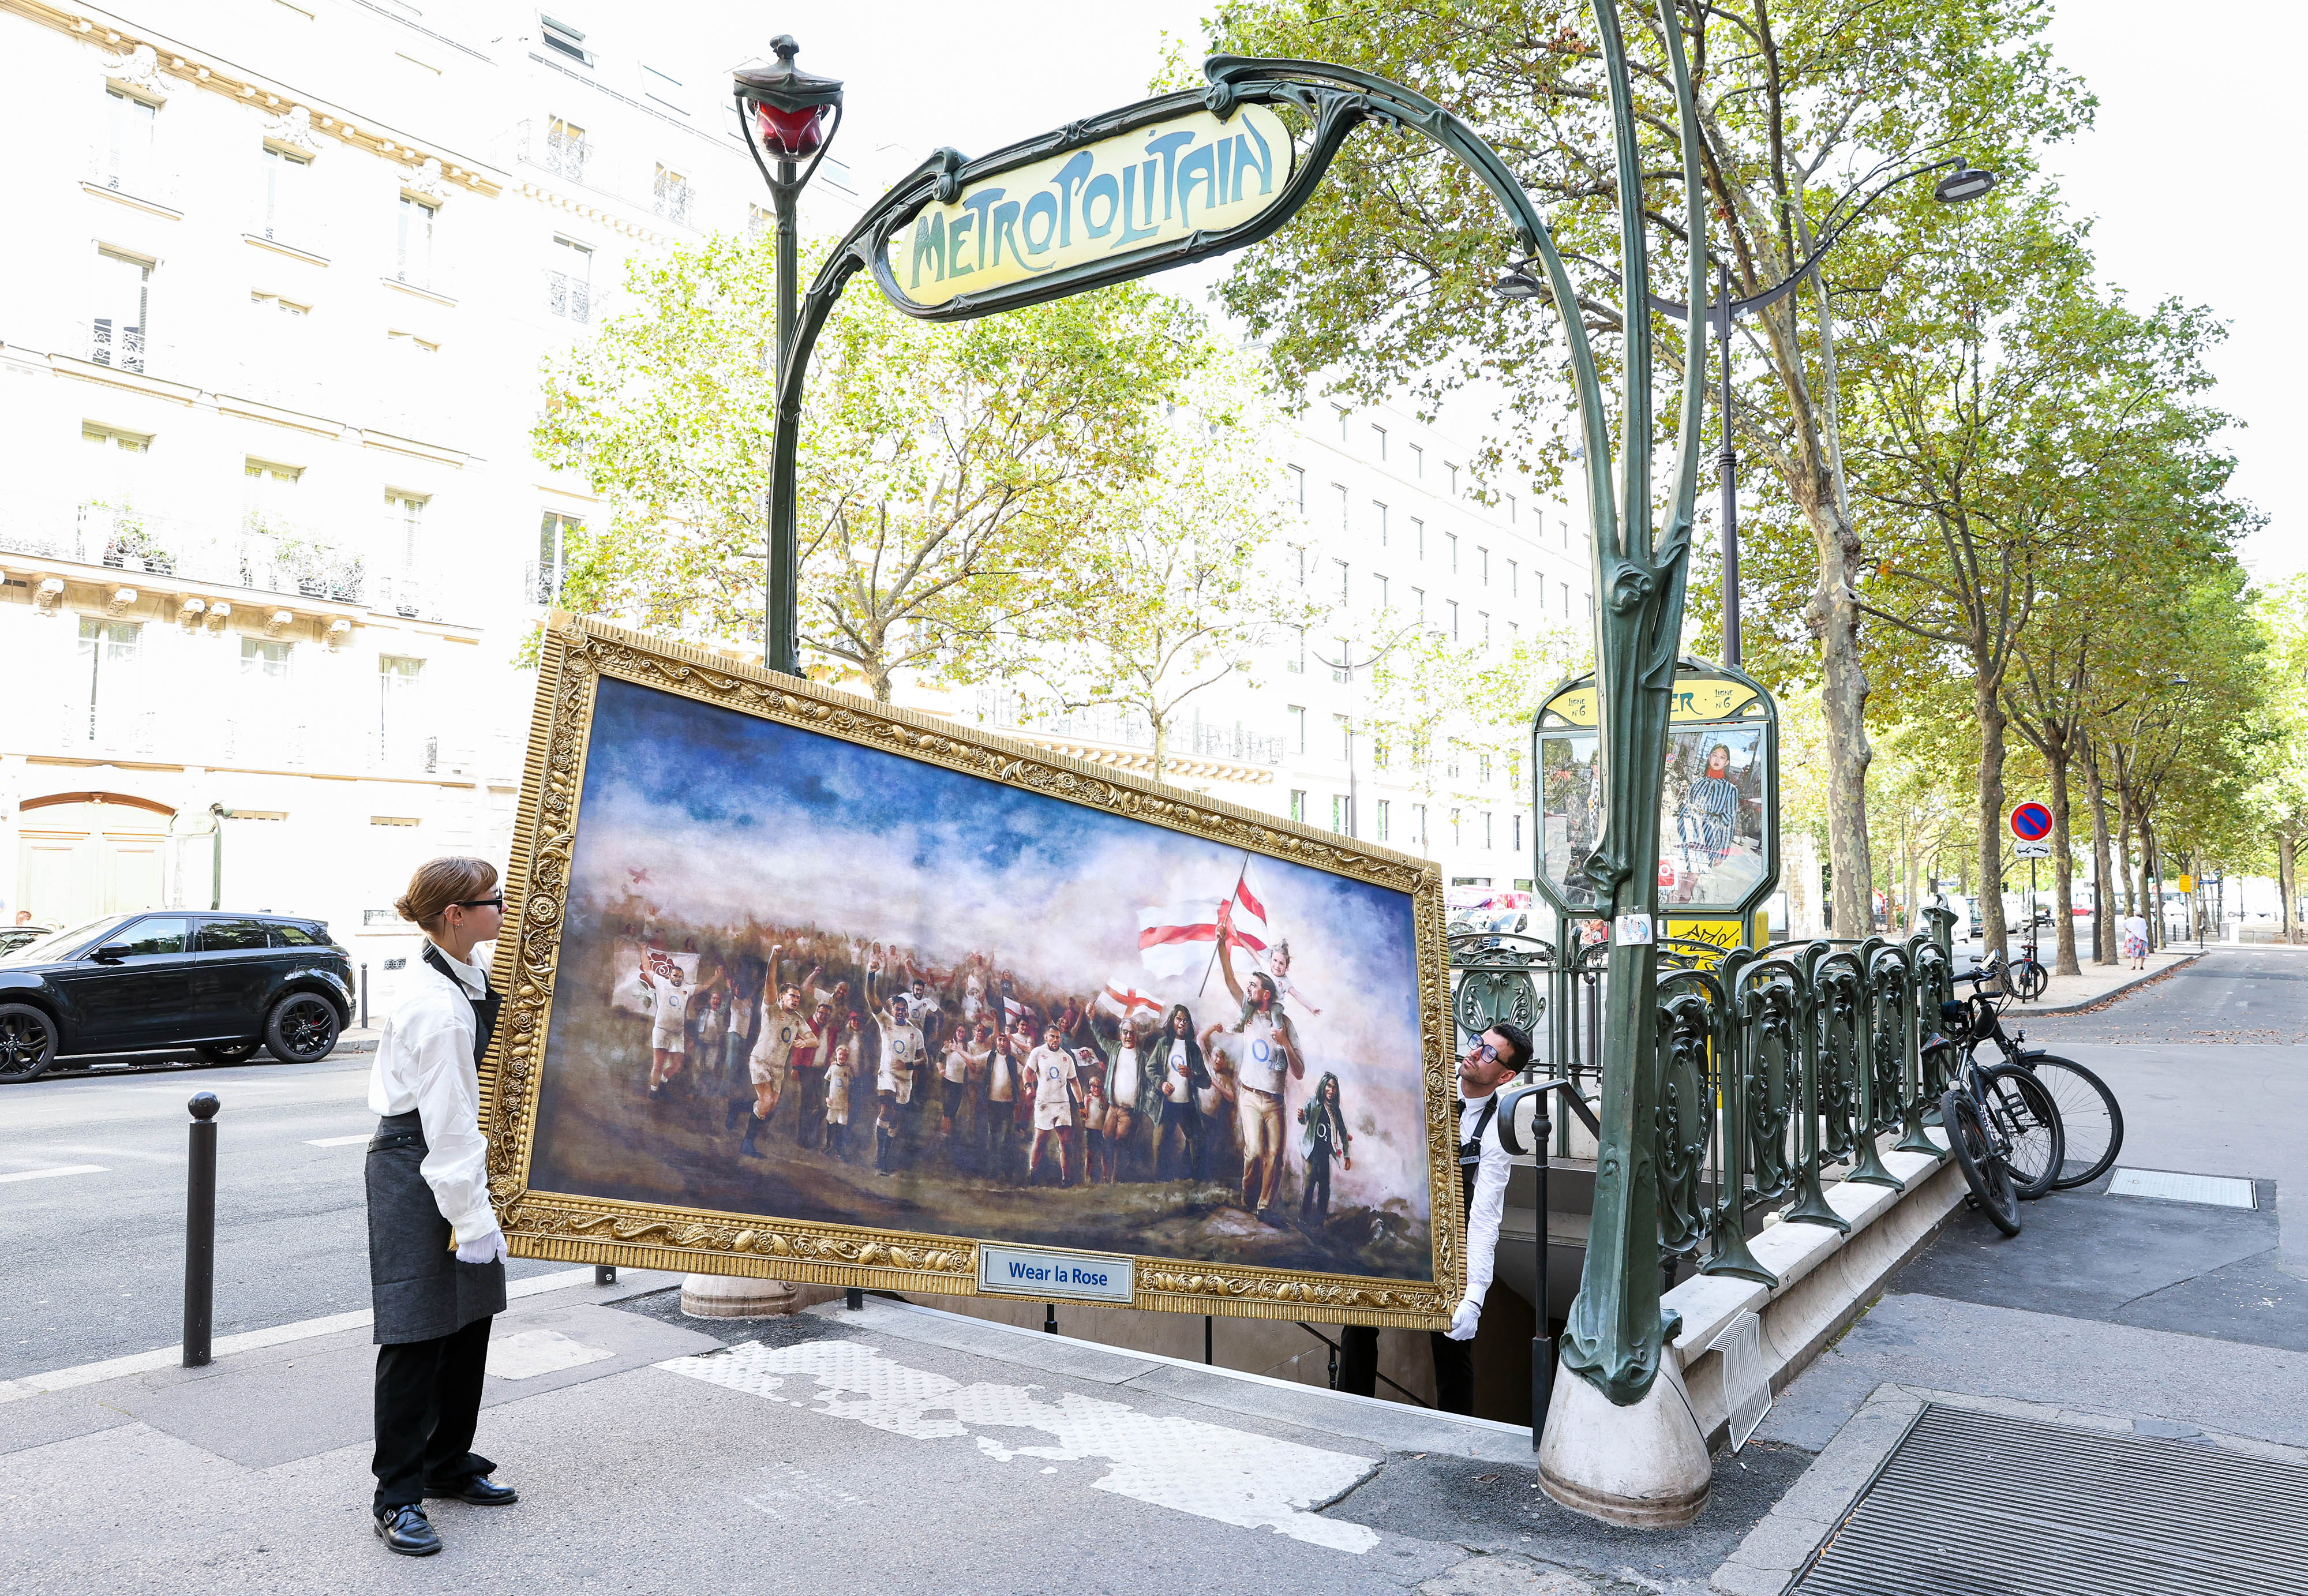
403	907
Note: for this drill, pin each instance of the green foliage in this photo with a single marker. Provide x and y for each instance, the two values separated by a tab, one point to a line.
948	474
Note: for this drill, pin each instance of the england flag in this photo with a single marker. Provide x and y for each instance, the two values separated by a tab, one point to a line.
1179	939
1123	999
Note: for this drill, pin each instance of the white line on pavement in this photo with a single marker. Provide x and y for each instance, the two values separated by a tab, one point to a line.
58	1169
248	1341
340	1141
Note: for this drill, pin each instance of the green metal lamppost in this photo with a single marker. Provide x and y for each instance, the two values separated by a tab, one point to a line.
789	114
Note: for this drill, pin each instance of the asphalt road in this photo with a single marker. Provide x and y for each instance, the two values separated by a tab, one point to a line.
96	1263
2232	995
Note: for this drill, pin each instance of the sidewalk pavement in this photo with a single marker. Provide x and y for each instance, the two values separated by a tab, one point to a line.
899	1446
2063	994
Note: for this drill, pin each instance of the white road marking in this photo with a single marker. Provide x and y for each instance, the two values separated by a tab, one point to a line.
340	1141
1232	1476
535	1352
58	1169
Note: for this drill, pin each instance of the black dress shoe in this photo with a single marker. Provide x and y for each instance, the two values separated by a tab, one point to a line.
476	1488
406	1530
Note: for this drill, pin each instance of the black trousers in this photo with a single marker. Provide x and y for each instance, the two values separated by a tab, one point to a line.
428	1400
1454	1366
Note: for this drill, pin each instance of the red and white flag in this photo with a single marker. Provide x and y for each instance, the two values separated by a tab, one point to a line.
1177	938
1125	1001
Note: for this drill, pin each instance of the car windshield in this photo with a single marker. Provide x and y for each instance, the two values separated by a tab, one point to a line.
57	945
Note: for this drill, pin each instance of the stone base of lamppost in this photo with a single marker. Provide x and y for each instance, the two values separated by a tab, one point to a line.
1645	1466
743	1297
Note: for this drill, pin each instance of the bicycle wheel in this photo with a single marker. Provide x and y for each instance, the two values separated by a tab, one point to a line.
2028	1120
1976	1155
2088	1114
2032	980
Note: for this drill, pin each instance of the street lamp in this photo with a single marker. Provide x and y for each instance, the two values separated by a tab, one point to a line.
1962	183
790	114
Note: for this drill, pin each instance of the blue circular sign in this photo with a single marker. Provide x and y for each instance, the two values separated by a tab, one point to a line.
2031	822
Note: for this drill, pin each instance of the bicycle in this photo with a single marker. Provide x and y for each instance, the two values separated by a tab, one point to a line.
2028	976
2090	1117
2002	1123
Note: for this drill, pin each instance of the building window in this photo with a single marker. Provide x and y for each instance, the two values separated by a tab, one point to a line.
265	663
413	249
1297	662
1483	768
269	495
1298	552
565	148
1587	602
1516	824
670	196
1383	806
117	332
1510	509
399	682
1418	535
1454	606
1298	725
285	173
1484	615
1346	737
1297	487
110	438
1344	669
759	221
108	652
1379	755
1383	599
1514	632
1514	577
569	280
1455	839
564	40
1418	602
1339	569
1342	422
1452	539
1378	440
126	162
1339	489
1342	814
553	534
1566	598
1418	824
1483	563
410	344
1486	828
1454	479
404	547
274	305
1417	460
1378	515
1297	804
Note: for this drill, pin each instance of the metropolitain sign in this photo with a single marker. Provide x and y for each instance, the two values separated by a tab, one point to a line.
1154	197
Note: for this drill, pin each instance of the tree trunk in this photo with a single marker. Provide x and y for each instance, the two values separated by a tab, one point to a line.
1992	933
1161	743
2103	889
1915	888
2064	862
1832	615
2123	843
2288	843
2153	909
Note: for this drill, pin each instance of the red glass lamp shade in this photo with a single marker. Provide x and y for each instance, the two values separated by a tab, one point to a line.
792	133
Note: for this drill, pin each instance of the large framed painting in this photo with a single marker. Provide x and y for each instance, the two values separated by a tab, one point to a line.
803	986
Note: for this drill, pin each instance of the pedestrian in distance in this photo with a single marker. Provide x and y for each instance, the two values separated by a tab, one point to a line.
2135	940
436	1252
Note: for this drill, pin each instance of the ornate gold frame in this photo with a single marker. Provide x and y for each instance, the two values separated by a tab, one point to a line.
576	654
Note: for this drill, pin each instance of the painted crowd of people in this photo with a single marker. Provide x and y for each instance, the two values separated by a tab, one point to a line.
971	1069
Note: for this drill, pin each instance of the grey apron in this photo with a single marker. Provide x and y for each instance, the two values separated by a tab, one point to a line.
416	1286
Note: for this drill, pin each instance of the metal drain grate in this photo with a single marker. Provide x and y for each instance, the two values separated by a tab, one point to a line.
2222	1191
1979	1505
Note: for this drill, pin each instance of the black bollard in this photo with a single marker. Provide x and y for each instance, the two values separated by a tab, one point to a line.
605	1275
1050	1311
855	1300
364	993
200	1230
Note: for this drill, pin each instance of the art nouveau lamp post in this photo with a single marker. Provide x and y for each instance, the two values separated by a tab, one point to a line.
788	115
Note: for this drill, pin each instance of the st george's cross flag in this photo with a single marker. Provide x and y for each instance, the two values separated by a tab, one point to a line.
1121	998
1176	939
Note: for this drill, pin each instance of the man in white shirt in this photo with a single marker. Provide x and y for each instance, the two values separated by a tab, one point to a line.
902	1055
1493	1060
1052	1070
1265	1052
781	1027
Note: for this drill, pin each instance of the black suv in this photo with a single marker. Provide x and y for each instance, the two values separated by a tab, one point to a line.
222	984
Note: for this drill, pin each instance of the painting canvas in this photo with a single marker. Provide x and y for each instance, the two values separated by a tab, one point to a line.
891	1006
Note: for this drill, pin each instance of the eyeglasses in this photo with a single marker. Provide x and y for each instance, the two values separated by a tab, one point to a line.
1483	1051
496	902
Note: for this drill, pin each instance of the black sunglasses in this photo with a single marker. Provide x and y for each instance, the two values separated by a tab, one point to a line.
496	902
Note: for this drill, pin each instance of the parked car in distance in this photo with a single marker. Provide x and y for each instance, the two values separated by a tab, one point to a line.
12	937
221	984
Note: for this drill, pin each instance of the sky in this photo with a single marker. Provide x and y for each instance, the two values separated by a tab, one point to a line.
2188	168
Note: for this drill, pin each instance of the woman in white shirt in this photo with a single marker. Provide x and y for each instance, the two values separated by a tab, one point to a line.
436	1257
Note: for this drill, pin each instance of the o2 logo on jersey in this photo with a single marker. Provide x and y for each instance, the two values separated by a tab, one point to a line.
1260	1051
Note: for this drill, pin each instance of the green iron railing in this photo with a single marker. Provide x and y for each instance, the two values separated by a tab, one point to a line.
1777	1066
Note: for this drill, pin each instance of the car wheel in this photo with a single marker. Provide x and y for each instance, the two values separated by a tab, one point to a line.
227	1052
27	1042
301	1029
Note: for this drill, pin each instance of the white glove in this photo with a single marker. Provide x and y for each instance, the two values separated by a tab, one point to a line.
1463	1320
483	1250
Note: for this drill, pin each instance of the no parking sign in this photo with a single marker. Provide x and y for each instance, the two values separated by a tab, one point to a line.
2031	822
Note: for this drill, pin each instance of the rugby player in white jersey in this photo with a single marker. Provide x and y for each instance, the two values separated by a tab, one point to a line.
1051	1068
773	1047
1266	1053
